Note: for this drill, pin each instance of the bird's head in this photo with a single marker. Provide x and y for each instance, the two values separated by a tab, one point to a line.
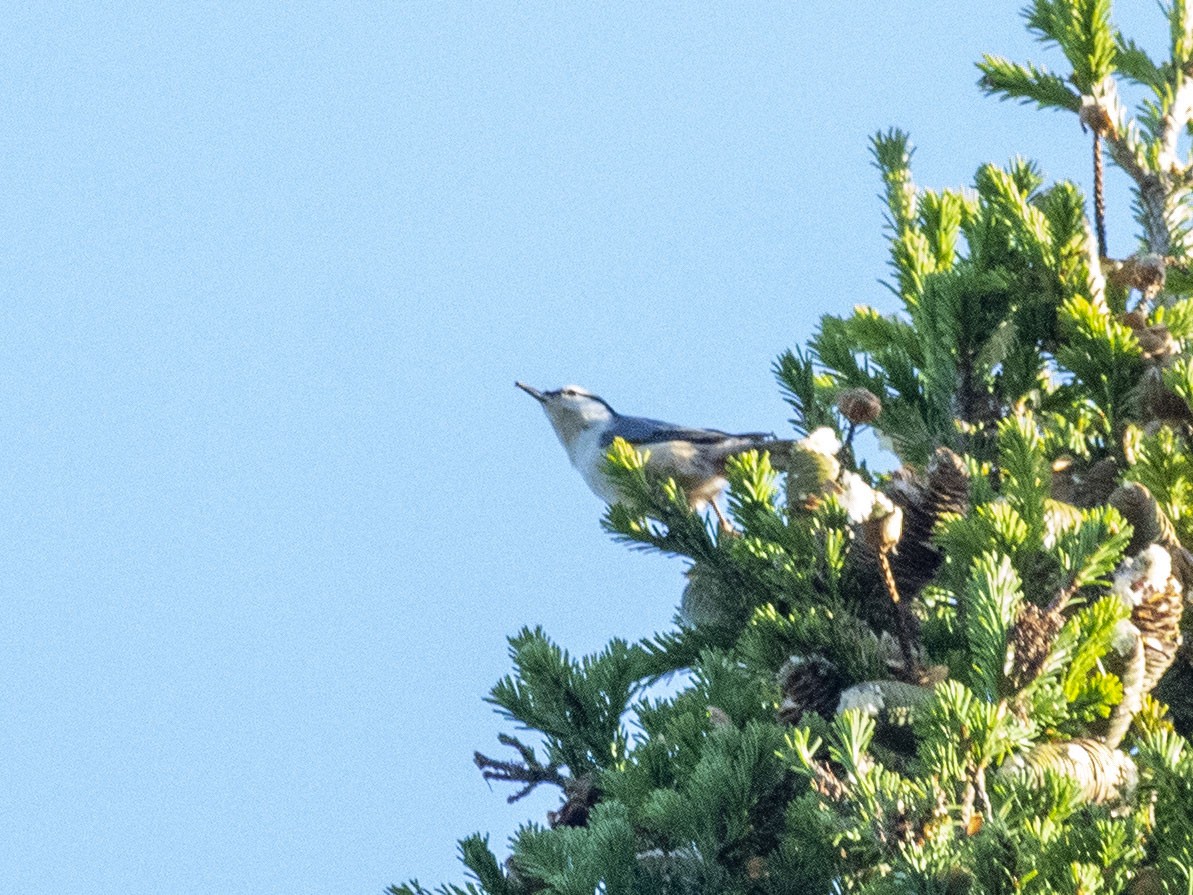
572	410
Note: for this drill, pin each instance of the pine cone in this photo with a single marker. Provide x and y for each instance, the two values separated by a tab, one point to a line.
1136	319
1176	691
859	405
756	868
1097	118
1031	642
1152	526
1145	582
1104	774
810	684
944	488
1147	881
1158	618
1098	482
1137	506
1157	343
1064	480
948	483
718	717
581	795
881	533
706	602
922	499
1145	273
1083	487
1160	404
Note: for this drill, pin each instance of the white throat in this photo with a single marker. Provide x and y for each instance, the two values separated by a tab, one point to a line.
570	423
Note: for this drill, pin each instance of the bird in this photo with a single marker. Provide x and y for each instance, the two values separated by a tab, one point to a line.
586	425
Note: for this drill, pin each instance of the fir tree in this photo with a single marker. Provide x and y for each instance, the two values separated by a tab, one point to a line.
962	677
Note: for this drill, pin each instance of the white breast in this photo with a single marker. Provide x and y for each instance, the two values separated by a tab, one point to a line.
588	456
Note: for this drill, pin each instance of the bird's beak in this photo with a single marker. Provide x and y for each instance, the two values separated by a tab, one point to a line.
533	392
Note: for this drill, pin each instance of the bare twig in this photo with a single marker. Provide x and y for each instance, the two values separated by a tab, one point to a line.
1099	197
1126	152
1155	184
530	771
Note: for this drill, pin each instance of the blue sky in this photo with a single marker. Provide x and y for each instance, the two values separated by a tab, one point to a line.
272	503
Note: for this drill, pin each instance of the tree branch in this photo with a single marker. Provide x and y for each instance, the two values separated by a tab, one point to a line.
530	771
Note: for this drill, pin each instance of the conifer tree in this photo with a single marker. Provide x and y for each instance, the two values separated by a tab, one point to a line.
965	676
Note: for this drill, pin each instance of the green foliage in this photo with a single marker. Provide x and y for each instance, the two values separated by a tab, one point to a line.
837	635
1179	378
576	705
754	493
1073	846
965	733
1080	646
737	778
1027	83
991	607
1176	317
1026	478
480	861
1099	57
1104	356
1163	465
1135	64
808	392
581	860
1082	30
1089	551
969	345
1167	765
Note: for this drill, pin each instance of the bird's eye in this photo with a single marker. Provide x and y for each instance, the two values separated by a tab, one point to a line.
570	392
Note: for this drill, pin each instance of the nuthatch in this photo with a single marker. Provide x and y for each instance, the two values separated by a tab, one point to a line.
695	458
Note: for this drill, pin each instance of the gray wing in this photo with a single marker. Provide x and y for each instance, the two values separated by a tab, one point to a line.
640	430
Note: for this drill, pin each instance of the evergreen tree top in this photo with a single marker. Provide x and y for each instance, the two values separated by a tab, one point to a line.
963	676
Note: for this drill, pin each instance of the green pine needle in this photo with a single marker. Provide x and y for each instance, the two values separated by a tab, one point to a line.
1026	83
1134	62
991	606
